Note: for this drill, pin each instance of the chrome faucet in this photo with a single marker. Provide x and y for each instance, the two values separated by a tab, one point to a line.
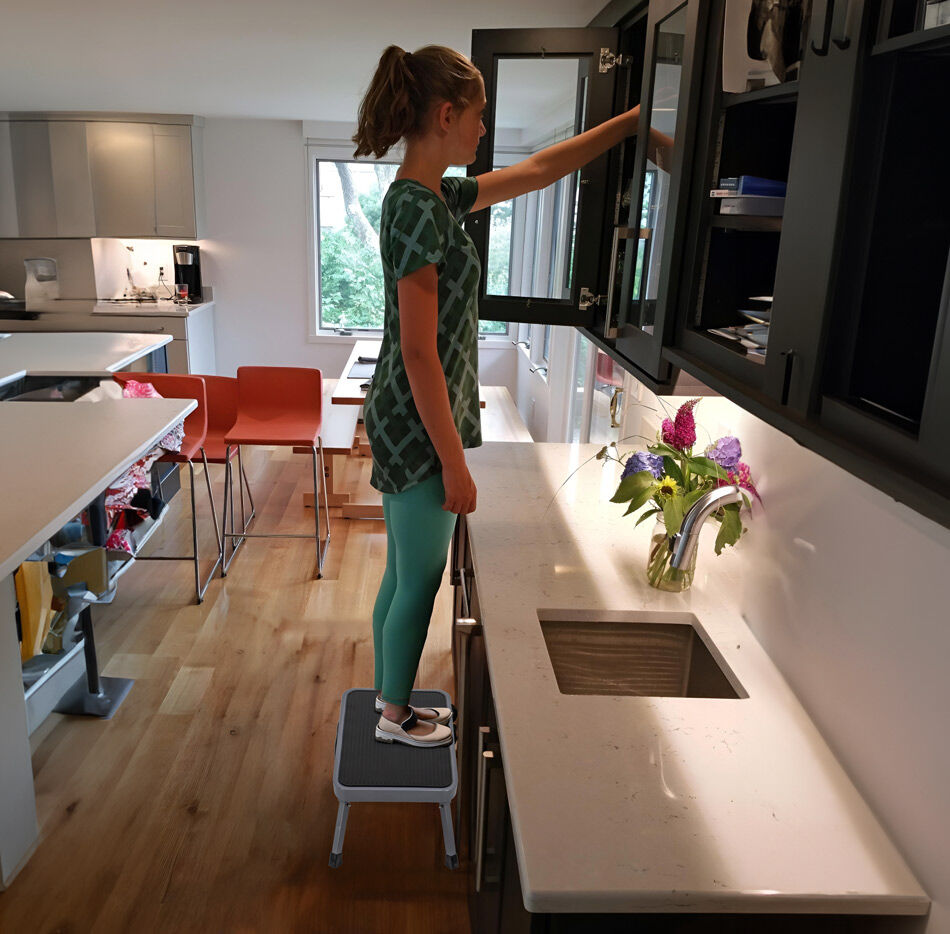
683	543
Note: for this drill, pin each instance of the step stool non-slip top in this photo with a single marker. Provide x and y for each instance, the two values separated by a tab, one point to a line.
367	770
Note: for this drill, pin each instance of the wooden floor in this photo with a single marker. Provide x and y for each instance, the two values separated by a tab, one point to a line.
206	803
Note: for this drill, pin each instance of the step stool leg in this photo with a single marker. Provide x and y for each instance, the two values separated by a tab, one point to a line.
336	855
448	834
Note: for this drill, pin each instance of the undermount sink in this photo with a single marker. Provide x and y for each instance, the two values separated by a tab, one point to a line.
635	653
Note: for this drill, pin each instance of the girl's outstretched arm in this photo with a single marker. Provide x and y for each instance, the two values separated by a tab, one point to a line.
554	162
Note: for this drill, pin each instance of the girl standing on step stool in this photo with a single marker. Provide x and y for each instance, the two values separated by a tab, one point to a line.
422	407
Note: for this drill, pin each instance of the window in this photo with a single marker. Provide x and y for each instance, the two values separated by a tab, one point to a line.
546	344
348	276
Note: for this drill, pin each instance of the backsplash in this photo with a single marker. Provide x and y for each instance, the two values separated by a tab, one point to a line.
91	268
849	593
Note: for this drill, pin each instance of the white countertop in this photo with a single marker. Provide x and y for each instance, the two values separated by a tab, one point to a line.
60	455
667	804
165	309
86	353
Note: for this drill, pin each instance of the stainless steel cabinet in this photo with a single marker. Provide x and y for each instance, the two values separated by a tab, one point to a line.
70	176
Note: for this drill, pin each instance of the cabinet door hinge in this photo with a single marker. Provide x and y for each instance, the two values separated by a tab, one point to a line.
588	298
608	59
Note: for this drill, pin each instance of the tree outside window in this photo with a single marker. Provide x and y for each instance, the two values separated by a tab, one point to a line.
350	273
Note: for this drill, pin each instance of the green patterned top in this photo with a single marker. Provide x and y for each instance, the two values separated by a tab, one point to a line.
418	228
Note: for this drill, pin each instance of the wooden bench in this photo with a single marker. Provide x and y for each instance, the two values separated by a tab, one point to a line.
341	433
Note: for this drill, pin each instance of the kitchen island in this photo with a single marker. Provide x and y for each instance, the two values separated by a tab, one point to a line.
60	456
83	354
639	804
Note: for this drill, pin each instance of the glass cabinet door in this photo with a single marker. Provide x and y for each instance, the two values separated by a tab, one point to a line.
646	237
540	252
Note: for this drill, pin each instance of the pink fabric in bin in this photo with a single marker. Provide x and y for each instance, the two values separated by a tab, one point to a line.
133	389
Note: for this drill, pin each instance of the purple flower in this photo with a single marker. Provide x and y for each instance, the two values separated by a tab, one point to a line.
726	452
643	461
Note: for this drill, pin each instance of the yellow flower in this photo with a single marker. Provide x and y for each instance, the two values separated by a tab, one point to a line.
667	487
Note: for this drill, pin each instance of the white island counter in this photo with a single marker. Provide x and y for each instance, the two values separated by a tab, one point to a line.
73	354
58	456
654	804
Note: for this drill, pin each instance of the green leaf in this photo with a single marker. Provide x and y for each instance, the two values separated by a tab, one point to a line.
639	500
707	468
673	470
664	450
632	485
673	513
730	529
646	515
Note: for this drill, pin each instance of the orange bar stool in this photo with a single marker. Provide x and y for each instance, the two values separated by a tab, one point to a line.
280	406
222	414
173	386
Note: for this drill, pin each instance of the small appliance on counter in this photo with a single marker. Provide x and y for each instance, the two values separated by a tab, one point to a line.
188	271
42	280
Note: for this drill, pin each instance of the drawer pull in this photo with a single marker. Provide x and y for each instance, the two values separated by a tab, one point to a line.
481	808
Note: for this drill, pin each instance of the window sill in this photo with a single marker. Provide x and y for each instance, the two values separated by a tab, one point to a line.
330	337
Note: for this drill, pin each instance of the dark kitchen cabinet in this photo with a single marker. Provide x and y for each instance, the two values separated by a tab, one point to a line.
780	267
885	384
850	285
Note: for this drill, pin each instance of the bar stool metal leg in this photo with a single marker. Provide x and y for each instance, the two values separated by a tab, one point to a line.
243	484
200	586
321	552
247	487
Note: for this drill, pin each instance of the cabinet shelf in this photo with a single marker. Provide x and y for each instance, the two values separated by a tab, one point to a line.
921	40
747	222
774	92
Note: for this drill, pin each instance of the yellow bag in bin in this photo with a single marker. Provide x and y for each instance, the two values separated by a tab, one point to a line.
34	593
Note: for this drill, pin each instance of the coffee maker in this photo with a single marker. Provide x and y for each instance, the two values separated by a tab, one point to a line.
188	270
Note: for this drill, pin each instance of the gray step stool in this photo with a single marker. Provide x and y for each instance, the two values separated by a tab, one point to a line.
366	770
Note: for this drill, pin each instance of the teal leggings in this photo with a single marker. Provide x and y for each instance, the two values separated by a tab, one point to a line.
418	532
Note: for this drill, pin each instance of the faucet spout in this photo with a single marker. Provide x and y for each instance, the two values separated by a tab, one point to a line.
683	543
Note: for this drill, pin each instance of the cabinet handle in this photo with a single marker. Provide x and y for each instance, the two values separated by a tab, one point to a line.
789	356
842	25
620	233
461	651
821	14
463	586
612	281
481	810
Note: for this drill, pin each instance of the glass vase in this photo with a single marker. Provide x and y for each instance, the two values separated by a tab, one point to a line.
659	572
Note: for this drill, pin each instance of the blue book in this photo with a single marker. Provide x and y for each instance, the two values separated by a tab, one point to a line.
753	185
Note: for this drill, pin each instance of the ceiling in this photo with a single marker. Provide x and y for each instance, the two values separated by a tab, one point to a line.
293	59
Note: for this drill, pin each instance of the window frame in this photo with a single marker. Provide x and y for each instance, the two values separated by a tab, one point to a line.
315	153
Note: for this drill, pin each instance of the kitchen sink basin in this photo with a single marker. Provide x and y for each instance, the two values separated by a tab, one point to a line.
634	653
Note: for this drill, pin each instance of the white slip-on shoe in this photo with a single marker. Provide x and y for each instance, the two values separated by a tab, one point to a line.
389	732
442	714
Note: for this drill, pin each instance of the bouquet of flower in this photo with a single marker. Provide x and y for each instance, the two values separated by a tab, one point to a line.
670	478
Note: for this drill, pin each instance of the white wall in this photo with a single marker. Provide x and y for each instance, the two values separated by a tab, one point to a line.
849	593
255	255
